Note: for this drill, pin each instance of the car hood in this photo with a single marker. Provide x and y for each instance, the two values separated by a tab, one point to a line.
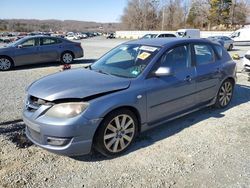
76	83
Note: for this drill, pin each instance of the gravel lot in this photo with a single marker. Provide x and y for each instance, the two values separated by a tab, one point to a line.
209	148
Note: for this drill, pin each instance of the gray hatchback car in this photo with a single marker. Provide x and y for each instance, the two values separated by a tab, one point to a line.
38	49
134	87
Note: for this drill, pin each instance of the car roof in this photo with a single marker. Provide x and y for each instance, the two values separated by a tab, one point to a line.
163	42
39	36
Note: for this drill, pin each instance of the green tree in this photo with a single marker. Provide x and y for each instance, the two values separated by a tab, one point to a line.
219	12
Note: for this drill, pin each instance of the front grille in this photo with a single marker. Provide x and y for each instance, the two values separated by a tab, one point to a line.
34	135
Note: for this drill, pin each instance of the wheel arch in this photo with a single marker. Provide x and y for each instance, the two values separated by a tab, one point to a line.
131	108
229	78
10	58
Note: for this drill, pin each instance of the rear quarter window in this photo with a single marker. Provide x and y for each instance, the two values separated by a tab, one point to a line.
219	50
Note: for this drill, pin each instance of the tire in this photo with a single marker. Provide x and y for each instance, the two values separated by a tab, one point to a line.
225	94
5	63
230	47
67	57
116	133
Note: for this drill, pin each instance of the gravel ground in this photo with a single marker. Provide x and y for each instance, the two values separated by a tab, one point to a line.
209	148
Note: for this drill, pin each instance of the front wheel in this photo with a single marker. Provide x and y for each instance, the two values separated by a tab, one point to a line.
225	94
230	47
5	64
67	58
116	133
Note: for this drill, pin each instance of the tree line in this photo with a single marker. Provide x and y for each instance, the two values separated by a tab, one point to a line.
29	25
175	14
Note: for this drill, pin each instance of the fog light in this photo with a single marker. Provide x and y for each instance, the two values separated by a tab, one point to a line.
58	141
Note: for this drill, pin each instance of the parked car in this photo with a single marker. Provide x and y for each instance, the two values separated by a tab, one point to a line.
72	37
134	87
224	40
241	37
246	60
38	49
110	36
161	35
188	33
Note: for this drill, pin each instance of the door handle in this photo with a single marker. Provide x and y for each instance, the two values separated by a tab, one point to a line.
218	70
188	79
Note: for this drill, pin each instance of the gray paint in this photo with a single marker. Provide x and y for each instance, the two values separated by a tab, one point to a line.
39	53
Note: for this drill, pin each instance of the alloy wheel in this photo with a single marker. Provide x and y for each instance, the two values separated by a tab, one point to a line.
225	93
119	133
67	58
5	64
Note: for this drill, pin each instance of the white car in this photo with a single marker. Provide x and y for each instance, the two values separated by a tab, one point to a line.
72	37
246	60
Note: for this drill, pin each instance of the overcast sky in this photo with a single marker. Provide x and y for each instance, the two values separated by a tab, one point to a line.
84	10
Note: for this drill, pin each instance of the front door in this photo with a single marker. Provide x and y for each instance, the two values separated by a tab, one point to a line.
27	52
169	95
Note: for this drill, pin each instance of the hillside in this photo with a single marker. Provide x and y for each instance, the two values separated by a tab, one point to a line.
24	25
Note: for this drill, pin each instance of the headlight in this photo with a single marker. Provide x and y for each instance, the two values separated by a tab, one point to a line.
67	110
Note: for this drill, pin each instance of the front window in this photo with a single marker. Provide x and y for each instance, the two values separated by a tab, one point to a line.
235	34
178	58
29	43
126	60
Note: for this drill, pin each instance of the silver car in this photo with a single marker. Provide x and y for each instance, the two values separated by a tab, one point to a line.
227	42
38	49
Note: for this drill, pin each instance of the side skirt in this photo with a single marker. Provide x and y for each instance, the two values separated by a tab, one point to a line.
171	117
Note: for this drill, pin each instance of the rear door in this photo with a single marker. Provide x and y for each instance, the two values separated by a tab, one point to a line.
27	52
169	95
208	69
49	49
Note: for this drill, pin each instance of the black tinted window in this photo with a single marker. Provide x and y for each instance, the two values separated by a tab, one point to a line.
48	41
203	54
177	58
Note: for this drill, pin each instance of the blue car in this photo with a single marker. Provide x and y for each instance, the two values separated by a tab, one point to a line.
38	49
136	86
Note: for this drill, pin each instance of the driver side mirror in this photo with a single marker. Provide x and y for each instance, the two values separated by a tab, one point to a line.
163	71
20	46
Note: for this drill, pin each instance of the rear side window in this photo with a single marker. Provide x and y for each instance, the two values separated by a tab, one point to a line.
219	50
204	54
177	58
48	41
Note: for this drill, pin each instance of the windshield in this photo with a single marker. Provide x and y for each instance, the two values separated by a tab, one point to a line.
127	61
149	36
17	42
181	34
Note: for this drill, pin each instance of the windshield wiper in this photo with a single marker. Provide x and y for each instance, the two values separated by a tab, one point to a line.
102	72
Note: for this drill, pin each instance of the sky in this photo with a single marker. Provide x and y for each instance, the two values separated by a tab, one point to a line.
82	10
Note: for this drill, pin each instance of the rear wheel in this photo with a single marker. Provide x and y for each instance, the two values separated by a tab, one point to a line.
116	133
67	58
225	94
5	64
